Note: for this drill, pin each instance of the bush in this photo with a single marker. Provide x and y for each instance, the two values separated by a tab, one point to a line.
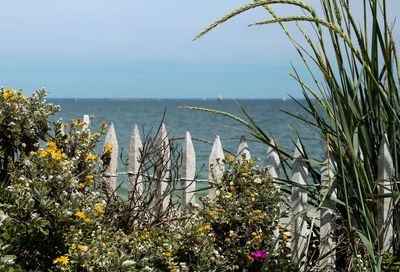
243	218
55	216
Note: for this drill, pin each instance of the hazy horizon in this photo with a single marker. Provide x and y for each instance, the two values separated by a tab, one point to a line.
104	48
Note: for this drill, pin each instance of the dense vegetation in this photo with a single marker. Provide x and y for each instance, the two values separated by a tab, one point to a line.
56	216
352	102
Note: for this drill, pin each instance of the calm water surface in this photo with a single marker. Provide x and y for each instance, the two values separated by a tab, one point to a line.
205	126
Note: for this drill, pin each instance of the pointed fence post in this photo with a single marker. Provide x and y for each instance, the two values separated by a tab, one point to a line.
163	172
299	205
188	174
216	166
135	179
273	161
273	164
327	230
111	173
243	150
385	205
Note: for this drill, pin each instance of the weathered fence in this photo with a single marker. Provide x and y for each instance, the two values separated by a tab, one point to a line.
301	213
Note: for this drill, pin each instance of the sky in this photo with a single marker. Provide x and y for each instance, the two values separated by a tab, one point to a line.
142	49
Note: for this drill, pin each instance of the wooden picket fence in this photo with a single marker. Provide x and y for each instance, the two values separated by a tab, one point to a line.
299	226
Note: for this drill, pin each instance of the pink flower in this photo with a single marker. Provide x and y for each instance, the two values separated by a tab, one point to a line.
260	255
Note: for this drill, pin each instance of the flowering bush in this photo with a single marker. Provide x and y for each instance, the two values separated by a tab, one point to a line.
54	216
42	189
243	218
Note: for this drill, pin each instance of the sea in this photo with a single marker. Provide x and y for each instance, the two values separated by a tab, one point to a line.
269	114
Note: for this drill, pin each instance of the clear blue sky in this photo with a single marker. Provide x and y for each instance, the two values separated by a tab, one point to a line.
127	48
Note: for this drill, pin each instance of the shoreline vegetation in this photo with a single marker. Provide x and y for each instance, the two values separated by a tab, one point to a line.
59	212
353	108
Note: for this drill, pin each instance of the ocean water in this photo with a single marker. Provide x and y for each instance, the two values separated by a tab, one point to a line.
148	113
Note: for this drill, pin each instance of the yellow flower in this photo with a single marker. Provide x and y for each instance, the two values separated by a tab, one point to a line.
43	153
108	148
57	155
90	179
9	94
52	145
212	214
261	216
228	195
87	220
82	247
201	229
78	123
257	211
168	254
81	185
64	260
249	258
91	157
254	233
81	215
231	159
232	188
207	227
99	208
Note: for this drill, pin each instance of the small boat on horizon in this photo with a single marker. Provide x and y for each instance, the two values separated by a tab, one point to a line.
220	98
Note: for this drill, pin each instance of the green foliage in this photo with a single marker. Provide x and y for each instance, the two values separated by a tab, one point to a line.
55	216
244	216
42	188
352	109
23	122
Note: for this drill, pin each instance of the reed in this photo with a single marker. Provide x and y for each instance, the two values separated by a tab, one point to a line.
352	103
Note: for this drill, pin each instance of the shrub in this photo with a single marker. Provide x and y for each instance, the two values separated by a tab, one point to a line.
42	189
244	217
55	215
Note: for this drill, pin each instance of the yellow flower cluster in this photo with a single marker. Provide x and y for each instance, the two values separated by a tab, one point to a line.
78	123
63	260
82	216
108	148
206	227
91	157
11	95
89	179
53	151
99	208
168	254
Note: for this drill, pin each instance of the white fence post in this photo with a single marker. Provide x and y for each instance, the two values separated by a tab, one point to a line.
243	152
135	179
385	205
163	197
111	173
273	161
188	174
327	230
299	205
86	122
216	166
